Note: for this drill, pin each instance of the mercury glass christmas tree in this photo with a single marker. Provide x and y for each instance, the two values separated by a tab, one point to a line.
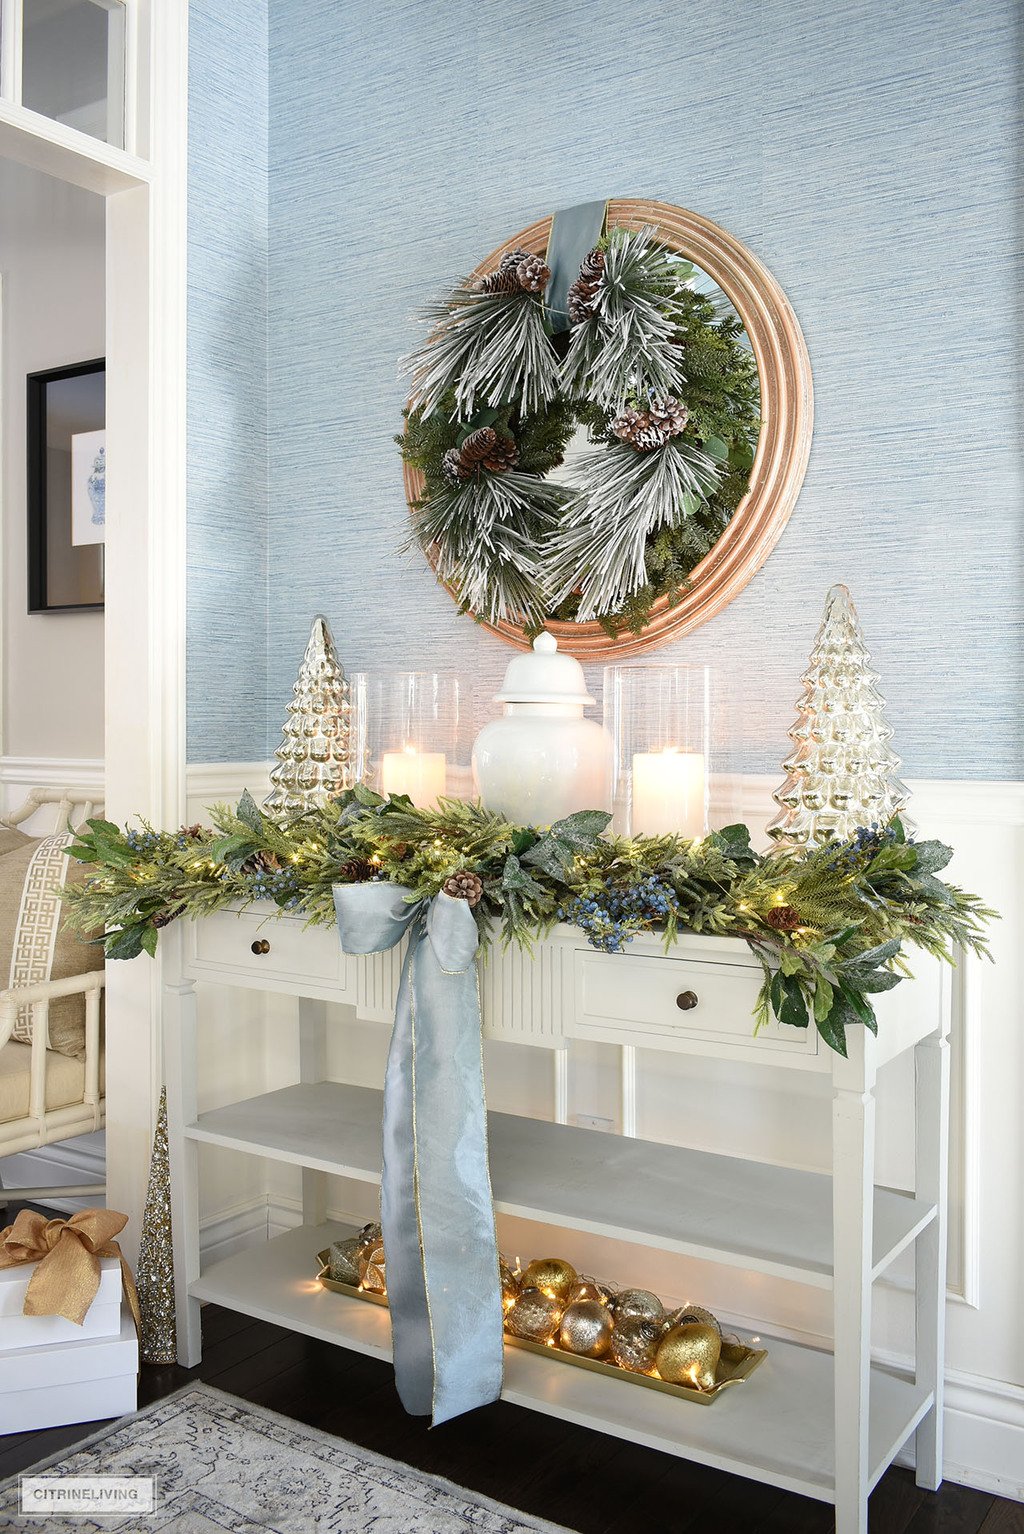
314	758
841	775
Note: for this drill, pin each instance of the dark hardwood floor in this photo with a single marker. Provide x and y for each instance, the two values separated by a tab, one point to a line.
584	1480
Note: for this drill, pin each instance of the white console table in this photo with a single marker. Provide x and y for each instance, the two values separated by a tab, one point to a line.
823	1424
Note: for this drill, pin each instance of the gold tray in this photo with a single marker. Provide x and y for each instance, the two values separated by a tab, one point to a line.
736	1364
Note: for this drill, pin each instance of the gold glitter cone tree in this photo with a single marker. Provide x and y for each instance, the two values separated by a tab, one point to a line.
155	1276
841	774
314	760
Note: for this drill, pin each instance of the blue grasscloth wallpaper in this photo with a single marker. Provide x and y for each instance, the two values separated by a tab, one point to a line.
868	154
227	381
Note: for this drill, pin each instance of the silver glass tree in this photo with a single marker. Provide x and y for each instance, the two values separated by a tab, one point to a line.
314	759
841	774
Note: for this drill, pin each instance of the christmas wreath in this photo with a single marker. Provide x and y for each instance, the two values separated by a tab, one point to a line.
652	360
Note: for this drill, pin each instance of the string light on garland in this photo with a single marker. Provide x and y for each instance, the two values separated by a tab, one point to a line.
827	945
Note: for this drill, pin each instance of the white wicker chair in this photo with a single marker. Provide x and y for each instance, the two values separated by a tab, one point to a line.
42	1125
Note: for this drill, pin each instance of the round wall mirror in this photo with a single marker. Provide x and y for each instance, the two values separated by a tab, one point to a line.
631	478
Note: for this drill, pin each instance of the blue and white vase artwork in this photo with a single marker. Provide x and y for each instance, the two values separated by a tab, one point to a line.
97	488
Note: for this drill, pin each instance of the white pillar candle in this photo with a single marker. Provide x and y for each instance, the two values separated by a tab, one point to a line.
420	774
668	793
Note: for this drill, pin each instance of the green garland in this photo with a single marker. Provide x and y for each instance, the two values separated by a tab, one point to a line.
649	334
828	926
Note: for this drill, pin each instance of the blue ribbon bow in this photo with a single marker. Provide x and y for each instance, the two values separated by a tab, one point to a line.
437	1216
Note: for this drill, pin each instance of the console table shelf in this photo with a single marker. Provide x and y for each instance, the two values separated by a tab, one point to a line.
780	1433
823	1424
764	1218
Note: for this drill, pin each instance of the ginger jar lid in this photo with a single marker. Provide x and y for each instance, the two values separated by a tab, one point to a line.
542	675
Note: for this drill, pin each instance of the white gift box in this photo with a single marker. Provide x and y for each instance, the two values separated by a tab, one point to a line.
17	1330
64	1382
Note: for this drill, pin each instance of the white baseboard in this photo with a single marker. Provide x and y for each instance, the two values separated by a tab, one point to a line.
233	1230
66	1164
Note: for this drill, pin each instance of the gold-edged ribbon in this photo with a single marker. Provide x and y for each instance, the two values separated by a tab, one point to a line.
68	1253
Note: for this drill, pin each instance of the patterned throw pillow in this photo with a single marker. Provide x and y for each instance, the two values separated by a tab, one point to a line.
33	947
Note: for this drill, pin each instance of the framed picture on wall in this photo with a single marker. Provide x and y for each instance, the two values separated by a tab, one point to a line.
67	465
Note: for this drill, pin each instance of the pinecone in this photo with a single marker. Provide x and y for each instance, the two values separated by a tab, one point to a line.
452	468
592	266
500	281
261	862
783	918
164	918
484	448
355	870
534	274
465	886
512	259
192	833
669	414
636	428
580	301
583	293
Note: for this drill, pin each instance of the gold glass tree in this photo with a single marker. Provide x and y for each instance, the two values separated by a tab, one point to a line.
314	759
841	774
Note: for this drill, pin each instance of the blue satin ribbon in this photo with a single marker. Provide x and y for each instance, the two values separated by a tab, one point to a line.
444	1289
574	233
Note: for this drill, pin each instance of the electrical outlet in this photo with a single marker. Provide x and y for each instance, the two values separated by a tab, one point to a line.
593	1121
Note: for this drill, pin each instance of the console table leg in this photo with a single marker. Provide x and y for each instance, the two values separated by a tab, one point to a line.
313	1068
931	1065
853	1161
560	1082
179	1028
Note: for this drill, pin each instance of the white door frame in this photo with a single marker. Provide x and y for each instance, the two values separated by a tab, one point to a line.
145	187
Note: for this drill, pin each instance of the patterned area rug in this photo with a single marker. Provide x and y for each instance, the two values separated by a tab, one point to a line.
222	1464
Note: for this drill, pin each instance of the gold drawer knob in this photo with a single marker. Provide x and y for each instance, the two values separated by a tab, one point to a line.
687	1000
261	945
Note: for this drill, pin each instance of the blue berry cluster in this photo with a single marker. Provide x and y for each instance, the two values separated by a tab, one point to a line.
864	844
278	884
613	918
143	841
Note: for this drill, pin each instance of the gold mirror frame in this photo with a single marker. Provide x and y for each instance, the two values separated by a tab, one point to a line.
783	445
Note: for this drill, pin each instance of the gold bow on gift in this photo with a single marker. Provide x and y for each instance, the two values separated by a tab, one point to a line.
68	1253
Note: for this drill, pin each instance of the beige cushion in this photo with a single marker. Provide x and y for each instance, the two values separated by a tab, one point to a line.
65	1080
33	945
11	840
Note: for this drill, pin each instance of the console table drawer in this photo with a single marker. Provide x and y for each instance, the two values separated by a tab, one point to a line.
259	946
664	1002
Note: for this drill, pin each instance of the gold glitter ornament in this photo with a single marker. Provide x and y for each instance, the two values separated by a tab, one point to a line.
590	1289
696	1313
371	1271
634	1343
534	1316
639	1302
689	1354
509	1282
586	1328
552	1275
155	1273
343	1263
